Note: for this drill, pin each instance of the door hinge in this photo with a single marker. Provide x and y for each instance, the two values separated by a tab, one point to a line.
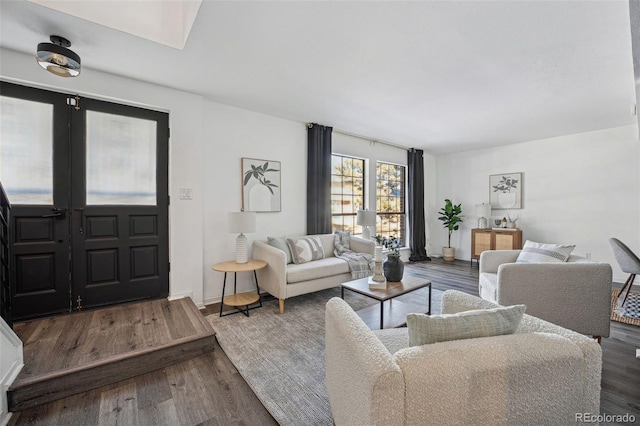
79	303
74	102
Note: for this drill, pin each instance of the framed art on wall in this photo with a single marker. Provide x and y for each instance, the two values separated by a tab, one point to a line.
505	191
260	185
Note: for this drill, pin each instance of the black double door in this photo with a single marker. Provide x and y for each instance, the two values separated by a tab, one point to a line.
88	186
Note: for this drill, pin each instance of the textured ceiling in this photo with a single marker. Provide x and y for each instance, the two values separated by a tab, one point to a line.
442	76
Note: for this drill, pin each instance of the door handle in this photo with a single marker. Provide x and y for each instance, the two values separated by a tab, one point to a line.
57	213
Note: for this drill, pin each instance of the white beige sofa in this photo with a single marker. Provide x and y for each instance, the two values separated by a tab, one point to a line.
575	294
541	375
284	280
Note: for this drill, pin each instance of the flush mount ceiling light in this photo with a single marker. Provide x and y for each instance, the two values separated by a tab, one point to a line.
57	59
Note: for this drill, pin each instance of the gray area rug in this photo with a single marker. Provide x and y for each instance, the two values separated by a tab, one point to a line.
281	357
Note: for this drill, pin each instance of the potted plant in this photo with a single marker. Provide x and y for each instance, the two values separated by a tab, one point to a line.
393	266
451	217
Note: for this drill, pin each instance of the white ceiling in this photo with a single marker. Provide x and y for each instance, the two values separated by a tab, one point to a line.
442	76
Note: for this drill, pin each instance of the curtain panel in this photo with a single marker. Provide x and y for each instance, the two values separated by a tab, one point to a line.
318	179
415	182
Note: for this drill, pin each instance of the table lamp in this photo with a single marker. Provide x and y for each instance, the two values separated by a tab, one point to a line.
241	222
366	218
483	211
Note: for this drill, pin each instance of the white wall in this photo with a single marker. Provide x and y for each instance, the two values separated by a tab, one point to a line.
185	157
232	134
579	189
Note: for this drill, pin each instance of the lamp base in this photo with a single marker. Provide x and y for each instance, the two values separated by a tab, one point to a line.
366	233
241	249
482	223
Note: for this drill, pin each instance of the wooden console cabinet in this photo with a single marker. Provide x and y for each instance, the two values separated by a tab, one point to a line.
494	239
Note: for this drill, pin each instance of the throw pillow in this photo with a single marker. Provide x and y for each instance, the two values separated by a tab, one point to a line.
538	252
305	249
341	242
280	243
424	329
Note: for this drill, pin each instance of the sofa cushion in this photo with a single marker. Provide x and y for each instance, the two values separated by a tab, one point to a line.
533	252
281	243
424	329
305	249
322	268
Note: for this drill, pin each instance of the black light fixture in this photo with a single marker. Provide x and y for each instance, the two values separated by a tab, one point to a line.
57	59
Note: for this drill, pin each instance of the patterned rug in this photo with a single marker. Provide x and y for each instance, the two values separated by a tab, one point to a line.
630	312
281	357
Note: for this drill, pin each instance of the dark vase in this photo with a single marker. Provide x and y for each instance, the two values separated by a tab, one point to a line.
393	268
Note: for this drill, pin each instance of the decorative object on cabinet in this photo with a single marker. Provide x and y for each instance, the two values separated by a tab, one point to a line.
505	191
260	185
241	222
494	239
483	211
366	218
451	216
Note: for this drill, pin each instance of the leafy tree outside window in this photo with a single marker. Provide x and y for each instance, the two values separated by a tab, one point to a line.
347	192
390	201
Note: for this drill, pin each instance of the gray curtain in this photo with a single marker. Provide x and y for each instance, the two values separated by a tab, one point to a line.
417	227
318	179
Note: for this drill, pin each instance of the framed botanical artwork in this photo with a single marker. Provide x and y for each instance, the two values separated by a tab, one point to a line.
261	182
505	191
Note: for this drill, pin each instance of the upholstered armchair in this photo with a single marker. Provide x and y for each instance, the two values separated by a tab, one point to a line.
575	294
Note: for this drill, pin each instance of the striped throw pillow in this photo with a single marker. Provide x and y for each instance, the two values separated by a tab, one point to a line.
305	249
533	252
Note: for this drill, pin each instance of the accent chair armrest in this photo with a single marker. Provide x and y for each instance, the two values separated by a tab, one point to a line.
490	260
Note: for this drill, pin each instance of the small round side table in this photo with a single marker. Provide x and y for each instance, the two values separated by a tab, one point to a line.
240	299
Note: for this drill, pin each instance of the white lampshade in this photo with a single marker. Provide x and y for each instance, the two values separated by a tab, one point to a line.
242	222
366	218
483	211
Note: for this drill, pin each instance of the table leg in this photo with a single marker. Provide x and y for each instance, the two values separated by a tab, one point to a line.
255	276
429	313
341	292
381	315
224	283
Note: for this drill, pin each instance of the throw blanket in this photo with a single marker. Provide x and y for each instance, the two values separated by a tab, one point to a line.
360	264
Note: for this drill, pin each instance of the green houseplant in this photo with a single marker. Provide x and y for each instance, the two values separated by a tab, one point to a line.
450	217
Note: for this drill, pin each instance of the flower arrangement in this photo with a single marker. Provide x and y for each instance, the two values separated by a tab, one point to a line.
391	243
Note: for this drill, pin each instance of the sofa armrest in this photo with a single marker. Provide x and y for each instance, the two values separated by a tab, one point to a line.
273	277
364	384
360	245
490	260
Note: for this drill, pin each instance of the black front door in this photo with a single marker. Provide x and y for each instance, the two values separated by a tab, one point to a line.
87	181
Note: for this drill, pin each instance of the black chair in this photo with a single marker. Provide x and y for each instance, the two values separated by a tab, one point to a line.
628	262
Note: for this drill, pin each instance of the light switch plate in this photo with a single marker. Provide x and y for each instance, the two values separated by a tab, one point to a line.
186	193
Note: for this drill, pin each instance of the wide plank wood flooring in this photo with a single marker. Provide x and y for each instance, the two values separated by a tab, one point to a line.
207	390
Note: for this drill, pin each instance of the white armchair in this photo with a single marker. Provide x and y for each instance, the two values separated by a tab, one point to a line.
575	294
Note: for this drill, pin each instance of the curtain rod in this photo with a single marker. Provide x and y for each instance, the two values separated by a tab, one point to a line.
395	145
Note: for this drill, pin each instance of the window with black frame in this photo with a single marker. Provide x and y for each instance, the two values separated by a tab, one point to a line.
390	201
347	192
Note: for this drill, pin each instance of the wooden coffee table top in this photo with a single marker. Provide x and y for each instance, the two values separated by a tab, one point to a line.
394	289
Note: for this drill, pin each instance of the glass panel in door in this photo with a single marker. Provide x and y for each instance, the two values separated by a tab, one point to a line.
121	160
26	150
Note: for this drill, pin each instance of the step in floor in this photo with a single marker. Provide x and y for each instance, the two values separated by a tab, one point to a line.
70	354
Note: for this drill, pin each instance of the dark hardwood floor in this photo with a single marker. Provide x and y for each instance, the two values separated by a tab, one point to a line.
208	390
